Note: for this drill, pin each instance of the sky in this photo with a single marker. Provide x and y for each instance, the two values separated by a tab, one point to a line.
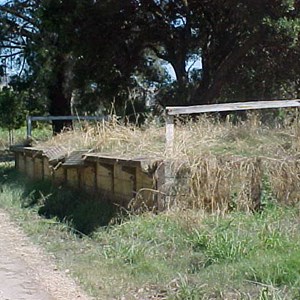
191	65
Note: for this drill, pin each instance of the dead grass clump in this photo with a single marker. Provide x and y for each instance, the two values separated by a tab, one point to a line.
113	138
218	183
223	183
284	180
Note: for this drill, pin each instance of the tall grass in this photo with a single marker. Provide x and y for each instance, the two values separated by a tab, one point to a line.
219	165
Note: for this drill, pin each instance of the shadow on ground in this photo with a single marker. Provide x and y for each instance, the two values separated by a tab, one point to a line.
6	156
82	211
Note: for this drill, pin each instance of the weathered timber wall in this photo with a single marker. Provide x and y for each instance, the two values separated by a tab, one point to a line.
134	181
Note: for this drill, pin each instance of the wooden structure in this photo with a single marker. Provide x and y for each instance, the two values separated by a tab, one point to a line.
120	179
172	111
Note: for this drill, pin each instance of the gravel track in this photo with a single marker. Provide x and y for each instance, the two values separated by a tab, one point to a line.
26	272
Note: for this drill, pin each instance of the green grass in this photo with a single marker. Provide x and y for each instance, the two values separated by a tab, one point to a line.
40	132
173	255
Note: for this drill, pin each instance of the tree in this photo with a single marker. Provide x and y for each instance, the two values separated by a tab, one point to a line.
99	52
222	35
34	37
11	111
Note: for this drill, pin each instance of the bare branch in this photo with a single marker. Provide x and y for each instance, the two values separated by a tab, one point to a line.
13	47
11	55
16	28
18	14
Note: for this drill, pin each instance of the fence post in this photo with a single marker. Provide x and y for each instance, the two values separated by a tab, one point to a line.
165	202
28	125
169	135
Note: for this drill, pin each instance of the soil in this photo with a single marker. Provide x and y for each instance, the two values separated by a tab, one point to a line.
26	272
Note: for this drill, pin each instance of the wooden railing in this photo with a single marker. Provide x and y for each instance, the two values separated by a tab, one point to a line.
172	111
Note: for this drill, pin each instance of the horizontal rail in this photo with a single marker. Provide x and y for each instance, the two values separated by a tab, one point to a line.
65	118
30	119
183	110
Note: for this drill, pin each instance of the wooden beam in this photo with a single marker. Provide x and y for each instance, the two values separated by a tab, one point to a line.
183	110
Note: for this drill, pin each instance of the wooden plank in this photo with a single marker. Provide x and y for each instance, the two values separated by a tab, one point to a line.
106	159
21	162
46	168
183	110
38	168
144	180
29	167
69	118
72	177
59	175
105	177
124	182
123	188
74	159
89	177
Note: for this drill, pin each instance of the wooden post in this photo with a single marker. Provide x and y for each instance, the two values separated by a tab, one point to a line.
169	176
169	135
169	149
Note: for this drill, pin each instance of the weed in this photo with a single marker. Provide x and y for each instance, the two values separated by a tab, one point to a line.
278	269
186	290
220	246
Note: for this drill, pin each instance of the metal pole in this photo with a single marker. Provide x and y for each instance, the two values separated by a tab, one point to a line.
29	125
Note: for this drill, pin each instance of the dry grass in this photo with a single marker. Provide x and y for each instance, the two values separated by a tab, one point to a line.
219	165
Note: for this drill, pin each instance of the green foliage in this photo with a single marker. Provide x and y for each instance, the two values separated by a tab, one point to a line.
95	50
220	246
278	269
12	113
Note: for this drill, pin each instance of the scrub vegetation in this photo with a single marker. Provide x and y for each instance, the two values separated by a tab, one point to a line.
176	254
200	248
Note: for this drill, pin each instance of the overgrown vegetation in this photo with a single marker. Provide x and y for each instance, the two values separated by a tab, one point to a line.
218	164
212	244
174	255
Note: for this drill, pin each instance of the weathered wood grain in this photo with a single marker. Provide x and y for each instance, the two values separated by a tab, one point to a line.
183	110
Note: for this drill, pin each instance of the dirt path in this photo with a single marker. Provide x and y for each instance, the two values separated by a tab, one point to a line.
26	273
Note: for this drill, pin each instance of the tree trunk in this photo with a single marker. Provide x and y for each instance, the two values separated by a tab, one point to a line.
182	81
208	93
60	101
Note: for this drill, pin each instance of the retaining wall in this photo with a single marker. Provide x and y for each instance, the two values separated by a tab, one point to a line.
120	179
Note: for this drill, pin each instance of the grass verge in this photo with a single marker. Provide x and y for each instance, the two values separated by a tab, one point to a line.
174	255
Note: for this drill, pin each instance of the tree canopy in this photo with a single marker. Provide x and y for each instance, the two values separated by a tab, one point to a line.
92	53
